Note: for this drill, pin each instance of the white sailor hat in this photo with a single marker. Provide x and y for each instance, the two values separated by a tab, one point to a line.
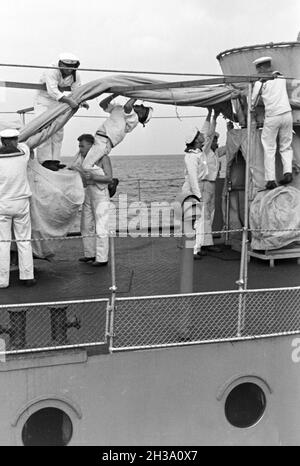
68	58
191	136
9	133
261	60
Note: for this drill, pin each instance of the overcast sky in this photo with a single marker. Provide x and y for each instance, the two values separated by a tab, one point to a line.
158	35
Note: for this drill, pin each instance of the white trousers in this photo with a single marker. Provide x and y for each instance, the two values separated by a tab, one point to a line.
15	214
51	148
95	219
281	125
98	150
203	226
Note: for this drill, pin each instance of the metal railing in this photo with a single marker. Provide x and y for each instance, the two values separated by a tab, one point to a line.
147	322
167	321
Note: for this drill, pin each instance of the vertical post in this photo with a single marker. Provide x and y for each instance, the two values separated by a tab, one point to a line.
186	266
227	214
189	216
243	280
113	289
139	190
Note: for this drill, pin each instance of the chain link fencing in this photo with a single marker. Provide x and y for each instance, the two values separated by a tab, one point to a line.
179	320
151	322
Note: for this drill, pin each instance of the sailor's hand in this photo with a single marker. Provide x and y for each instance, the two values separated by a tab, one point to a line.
235	94
85	105
73	104
88	175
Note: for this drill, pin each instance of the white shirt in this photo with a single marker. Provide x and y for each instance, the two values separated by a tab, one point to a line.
208	129
118	124
274	95
195	170
221	153
14	183
54	80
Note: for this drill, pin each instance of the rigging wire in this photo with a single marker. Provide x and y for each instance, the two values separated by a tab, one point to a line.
166	73
104	117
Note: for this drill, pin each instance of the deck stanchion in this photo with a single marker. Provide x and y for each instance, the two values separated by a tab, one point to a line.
113	289
186	266
190	213
227	216
243	280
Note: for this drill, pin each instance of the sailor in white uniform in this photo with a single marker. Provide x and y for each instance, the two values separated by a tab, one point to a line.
15	207
121	121
201	169
94	164
60	82
95	209
278	121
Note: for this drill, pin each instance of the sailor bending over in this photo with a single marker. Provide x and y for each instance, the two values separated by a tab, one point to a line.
59	83
121	120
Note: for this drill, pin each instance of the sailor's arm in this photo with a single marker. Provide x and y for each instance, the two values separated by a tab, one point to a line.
128	107
221	151
107	168
256	90
206	125
51	80
210	134
104	104
68	100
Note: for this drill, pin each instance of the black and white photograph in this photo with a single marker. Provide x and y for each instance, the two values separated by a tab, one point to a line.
149	226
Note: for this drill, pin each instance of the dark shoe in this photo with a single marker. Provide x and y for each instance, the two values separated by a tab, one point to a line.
99	264
202	253
271	185
287	178
197	257
29	283
112	187
87	259
51	165
213	249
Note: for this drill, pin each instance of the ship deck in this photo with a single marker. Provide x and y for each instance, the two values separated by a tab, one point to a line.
72	305
144	267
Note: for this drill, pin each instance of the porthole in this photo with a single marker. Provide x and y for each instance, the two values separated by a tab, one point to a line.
47	427
245	405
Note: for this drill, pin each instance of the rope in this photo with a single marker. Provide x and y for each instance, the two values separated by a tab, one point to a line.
114	233
104	117
167	73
